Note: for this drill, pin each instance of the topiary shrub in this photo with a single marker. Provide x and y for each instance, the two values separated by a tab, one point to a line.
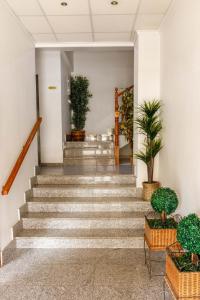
164	201
188	235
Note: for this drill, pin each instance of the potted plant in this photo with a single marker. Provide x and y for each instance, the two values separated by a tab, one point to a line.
79	97
161	232
183	260
149	125
126	124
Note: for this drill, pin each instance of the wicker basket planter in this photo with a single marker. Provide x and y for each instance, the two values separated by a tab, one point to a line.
184	285
148	189
159	238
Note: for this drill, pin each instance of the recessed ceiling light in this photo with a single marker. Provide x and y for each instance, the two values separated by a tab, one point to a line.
114	2
63	3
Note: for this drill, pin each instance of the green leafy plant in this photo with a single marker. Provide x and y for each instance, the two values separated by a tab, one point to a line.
79	97
165	202
126	111
149	124
188	235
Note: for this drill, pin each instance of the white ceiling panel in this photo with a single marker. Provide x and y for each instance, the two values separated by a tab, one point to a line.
88	20
148	22
42	38
74	37
70	24
36	24
112	37
25	7
105	7
113	23
154	6
74	7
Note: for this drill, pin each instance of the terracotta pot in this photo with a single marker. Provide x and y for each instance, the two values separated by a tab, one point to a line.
149	188
78	135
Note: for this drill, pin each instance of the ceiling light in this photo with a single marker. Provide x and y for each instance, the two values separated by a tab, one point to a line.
63	3
114	2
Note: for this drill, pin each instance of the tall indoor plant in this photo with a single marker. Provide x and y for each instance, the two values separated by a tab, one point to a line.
126	124
149	125
79	97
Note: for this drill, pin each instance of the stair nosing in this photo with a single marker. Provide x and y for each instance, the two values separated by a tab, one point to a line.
79	238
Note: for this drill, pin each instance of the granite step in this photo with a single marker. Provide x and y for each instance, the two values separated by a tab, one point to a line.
89	190
85	179
86	205
82	238
83	220
88	152
89	161
89	144
87	200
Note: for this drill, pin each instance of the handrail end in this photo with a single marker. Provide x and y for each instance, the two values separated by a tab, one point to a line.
4	191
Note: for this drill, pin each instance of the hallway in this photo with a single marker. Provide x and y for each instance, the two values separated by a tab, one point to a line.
100	106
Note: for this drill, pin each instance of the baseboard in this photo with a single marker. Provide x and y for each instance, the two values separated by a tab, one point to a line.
6	254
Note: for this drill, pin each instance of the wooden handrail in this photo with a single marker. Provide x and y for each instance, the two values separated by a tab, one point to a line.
126	90
116	128
6	188
116	141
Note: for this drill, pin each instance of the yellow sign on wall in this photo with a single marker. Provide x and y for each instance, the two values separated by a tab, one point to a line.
52	87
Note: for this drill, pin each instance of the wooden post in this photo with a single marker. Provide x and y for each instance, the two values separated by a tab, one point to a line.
116	128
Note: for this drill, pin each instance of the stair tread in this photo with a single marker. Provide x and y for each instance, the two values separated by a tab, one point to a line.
87	175
87	144
85	186
81	233
88	200
83	215
88	157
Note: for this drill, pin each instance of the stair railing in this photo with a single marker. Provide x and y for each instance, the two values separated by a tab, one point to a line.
116	138
6	188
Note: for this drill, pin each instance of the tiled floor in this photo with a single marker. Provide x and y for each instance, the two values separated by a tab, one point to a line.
82	274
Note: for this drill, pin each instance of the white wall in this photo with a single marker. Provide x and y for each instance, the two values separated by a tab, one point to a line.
17	115
146	85
180	91
53	71
66	69
105	71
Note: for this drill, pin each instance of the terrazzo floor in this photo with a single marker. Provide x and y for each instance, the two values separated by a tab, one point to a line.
79	274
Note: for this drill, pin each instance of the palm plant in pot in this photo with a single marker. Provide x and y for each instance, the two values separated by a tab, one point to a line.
160	231
79	97
183	260
150	126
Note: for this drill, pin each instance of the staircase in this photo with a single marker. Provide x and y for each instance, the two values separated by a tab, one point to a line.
82	211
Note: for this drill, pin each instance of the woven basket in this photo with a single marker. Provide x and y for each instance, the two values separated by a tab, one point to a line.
148	189
159	238
183	284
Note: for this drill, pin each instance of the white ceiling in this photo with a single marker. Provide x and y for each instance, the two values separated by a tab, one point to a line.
88	20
